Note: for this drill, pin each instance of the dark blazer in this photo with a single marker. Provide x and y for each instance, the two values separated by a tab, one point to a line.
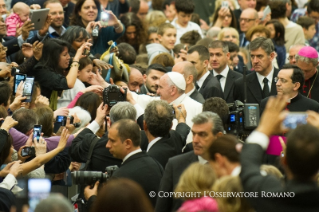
237	14
173	170
229	85
197	97
12	44
101	156
254	91
67	14
144	170
306	194
314	94
211	88
170	145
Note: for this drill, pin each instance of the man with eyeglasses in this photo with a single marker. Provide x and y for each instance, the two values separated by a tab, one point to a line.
293	50
290	82
244	4
311	11
247	20
260	83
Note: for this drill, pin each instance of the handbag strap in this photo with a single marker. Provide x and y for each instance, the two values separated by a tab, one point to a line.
93	143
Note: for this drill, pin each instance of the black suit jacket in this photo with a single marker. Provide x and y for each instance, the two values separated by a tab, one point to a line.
211	88
306	194
144	170
254	91
229	85
314	94
12	44
170	145
173	170
197	97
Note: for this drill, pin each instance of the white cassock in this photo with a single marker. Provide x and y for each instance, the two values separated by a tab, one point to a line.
192	108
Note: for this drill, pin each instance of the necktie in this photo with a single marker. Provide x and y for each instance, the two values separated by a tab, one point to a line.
219	77
266	88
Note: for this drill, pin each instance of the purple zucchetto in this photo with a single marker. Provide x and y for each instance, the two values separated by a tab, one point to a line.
308	52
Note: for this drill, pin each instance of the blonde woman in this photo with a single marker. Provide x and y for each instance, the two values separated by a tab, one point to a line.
229	34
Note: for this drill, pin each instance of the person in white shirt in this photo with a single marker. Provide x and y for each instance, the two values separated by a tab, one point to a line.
182	23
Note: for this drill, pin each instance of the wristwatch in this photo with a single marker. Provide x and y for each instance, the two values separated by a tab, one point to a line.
76	125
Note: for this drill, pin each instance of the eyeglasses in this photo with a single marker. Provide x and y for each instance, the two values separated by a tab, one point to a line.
276	79
291	57
246	20
3	48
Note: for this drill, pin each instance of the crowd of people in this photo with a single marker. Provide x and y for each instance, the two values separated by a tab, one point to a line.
140	92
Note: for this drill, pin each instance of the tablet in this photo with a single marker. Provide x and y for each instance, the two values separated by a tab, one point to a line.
38	17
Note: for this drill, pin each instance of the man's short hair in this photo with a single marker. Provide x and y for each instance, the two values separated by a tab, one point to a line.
313	6
314	61
127	53
138	67
226	146
156	67
128	129
278	9
163	27
5	93
204	42
122	110
217	105
158	117
26	119
191	37
51	2
216	44
302	152
264	43
201	50
54	203
207	116
232	47
305	22
165	59
135	6
297	74
189	69
186	6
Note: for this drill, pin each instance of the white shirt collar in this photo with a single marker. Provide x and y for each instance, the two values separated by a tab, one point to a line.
201	160
223	73
51	30
177	26
269	77
202	79
236	171
190	92
150	144
130	154
178	100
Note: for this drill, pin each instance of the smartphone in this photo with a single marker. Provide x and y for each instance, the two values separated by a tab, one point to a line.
266	11
104	19
28	88
294	119
37	129
38	189
28	151
17	79
61	119
225	4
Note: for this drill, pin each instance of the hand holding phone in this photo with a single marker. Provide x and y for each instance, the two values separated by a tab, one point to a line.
28	89
37	129
18	78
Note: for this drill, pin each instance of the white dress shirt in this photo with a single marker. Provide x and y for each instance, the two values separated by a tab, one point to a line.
150	144
130	154
201	160
190	92
223	79
269	77
202	79
180	31
236	171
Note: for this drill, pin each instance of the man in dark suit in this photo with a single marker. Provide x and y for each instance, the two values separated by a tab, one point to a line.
219	58
190	74
207	127
162	144
207	84
307	61
260	83
290	82
300	161
124	143
152	77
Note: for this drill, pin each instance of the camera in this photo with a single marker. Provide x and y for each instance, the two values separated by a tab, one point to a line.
91	177
113	95
28	151
242	119
95	31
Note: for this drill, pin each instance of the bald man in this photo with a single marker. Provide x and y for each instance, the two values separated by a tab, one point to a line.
293	51
135	81
248	19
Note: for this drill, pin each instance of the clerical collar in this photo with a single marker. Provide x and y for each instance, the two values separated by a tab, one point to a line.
291	99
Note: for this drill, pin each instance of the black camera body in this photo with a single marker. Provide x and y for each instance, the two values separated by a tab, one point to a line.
243	118
28	151
91	177
113	95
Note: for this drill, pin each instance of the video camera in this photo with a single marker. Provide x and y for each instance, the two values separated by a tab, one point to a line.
91	177
113	95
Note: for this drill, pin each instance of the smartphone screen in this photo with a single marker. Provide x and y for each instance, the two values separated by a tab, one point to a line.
293	120
25	151
17	79
27	89
61	119
39	189
37	129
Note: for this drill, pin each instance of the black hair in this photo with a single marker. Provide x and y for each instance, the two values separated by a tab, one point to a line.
72	33
156	67
186	6
297	74
201	50
279	38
